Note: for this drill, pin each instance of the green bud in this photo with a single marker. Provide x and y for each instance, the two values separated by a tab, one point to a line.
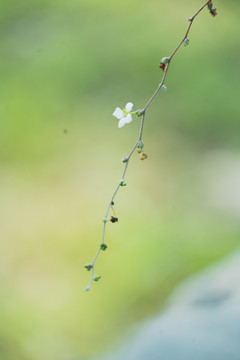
86	289
140	144
186	42
103	247
96	277
125	159
165	60
122	183
139	112
210	6
164	88
88	267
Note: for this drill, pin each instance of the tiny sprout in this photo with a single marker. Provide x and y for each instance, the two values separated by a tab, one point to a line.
103	247
125	159
113	219
143	156
186	42
86	289
141	144
164	88
139	112
122	183
165	60
88	267
96	277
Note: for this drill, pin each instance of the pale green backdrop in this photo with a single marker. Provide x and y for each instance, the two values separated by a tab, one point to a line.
64	67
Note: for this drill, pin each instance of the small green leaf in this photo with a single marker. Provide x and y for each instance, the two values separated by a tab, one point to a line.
96	277
88	267
122	183
103	247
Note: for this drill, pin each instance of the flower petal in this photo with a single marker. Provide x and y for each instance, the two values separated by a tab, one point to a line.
129	106
118	113
128	118
121	123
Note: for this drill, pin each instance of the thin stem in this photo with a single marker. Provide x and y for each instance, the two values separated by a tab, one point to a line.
172	55
158	88
161	84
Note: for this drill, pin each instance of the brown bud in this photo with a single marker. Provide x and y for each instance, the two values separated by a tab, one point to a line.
213	12
113	219
143	156
163	63
162	66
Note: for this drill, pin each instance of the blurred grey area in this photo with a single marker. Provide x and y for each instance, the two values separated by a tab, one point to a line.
202	321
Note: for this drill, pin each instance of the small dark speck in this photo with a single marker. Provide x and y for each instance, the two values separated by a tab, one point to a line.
65	131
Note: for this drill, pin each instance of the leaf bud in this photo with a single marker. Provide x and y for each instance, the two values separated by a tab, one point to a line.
122	183
213	12
139	112
140	144
103	247
165	60
96	277
113	219
143	156
88	267
210	5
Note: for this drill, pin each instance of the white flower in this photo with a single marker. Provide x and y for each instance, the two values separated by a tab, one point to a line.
124	116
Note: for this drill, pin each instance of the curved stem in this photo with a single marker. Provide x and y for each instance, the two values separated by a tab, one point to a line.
161	84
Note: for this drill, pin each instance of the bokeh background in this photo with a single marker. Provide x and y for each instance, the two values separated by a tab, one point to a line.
64	67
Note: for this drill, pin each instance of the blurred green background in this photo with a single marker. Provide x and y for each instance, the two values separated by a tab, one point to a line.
65	66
